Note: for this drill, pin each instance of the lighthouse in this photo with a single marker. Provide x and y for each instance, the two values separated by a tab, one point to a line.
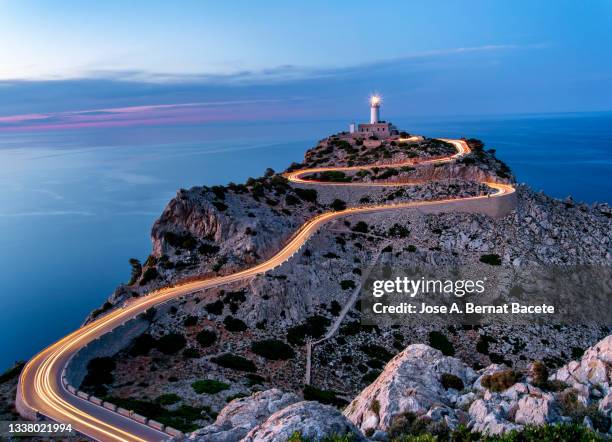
374	109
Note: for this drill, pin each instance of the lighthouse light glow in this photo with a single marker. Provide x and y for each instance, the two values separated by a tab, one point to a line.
375	100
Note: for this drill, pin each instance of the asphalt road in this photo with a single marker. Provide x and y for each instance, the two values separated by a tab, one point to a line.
40	383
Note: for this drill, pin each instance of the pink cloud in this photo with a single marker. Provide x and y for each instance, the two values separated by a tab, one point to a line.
160	114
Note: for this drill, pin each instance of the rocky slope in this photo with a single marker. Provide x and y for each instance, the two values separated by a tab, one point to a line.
201	352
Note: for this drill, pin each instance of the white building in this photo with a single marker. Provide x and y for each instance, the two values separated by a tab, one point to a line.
376	128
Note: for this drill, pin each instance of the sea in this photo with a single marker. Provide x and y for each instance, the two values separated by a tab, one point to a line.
75	206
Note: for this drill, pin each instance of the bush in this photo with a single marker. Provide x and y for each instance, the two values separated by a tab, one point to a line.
291	200
371	376
315	327
338	205
309	195
168	399
399	231
206	338
214	308
571	407
190	321
149	275
441	342
273	349
360	227
500	381
229	360
538	373
347	284
449	380
171	343
491	259
191	353
234	324
142	345
99	374
324	396
376	351
209	386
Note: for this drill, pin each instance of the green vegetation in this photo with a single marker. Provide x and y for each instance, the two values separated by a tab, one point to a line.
234	324
168	399
500	381
209	386
291	200
491	259
99	375
346	284
171	343
273	349
333	176
371	376
105	307
441	342
399	231
183	418
142	345
309	195
329	397
449	380
215	308
181	240
230	360
360	227
376	351
314	326
191	353
190	321
338	205
136	270
149	275
220	206
206	338
208	249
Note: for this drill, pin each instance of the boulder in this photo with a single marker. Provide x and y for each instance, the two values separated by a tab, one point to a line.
240	416
410	383
312	420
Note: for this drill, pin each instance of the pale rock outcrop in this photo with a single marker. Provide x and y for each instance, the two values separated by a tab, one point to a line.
410	383
592	374
312	420
242	415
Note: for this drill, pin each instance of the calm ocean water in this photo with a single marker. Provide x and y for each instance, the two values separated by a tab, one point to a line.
74	207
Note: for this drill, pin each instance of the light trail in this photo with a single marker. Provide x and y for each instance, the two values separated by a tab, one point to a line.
40	383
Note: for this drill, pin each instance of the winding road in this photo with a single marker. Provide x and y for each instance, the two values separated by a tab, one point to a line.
41	390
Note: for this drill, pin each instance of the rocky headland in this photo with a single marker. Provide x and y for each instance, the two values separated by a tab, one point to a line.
229	363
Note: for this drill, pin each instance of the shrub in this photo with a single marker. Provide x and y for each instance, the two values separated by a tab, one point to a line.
315	327
191	353
291	200
360	227
500	381
190	321
273	349
208	249
538	373
371	376
149	275
376	351
335	308
136	270
347	284
449	380
141	345
441	342
180	240
398	230
209	386
338	205
229	360
220	206
309	195
214	308
234	324
206	338
411	248
99	374
324	396
168	399
171	343
491	259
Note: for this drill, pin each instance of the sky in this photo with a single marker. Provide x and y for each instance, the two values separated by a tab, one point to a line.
73	64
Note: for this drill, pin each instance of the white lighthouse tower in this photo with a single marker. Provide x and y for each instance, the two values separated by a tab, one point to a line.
374	109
